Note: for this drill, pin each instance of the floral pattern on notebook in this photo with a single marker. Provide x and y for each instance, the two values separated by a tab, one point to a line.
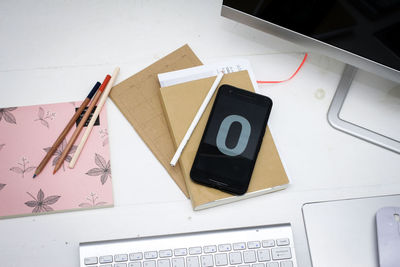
104	136
92	201
103	170
40	203
7	115
23	167
45	117
26	134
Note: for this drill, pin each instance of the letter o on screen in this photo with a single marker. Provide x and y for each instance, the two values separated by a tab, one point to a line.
223	133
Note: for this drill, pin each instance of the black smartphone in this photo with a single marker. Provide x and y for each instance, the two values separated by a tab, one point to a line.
231	140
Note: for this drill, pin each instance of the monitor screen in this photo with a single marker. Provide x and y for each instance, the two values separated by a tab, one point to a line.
368	28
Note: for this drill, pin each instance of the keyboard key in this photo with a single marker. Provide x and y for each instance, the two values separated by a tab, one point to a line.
210	249
272	264
90	260
135	264
150	254
224	247
221	259
192	261
106	265
281	253
149	264
207	261
268	243
106	259
253	244
120	265
195	250
180	252
249	256
235	258
121	257
239	246
178	262
136	256
263	255
286	264
165	253
258	265
283	242
244	265
163	263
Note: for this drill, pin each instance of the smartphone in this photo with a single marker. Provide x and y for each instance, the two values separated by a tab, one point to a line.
231	140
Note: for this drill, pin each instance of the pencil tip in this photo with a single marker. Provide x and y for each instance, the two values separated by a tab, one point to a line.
34	176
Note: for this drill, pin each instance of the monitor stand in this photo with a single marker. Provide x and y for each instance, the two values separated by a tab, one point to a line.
336	122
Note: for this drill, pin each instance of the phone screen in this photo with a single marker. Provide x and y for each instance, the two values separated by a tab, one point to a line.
232	138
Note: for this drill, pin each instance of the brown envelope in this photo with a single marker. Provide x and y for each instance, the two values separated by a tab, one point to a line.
138	99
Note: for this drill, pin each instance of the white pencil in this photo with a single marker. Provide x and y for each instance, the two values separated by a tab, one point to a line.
103	99
196	119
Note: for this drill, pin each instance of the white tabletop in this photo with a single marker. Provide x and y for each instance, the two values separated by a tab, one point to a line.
53	51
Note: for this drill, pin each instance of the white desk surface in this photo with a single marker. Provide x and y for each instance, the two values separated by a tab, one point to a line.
53	51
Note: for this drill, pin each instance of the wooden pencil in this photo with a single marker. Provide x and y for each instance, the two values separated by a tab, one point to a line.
67	128
80	125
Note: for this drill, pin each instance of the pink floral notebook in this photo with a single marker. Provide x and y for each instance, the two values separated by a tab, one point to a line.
26	134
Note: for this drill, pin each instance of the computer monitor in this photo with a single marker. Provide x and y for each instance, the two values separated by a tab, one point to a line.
361	33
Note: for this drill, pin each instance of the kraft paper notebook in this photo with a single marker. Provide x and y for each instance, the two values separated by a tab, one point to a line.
181	103
26	134
138	99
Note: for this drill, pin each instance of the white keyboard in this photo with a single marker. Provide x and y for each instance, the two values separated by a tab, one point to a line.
261	246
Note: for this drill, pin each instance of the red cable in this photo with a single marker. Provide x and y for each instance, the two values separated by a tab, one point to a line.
294	74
